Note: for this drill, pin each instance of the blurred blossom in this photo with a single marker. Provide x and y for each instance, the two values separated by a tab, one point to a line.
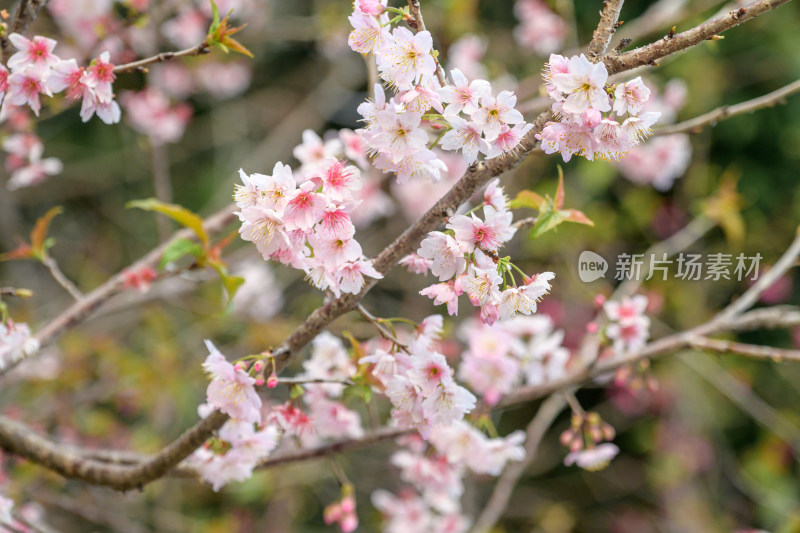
174	79
260	296
149	112
658	162
187	29
224	80
466	54
540	29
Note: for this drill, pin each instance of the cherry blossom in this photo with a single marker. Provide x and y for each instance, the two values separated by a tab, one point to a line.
231	390
463	95
406	57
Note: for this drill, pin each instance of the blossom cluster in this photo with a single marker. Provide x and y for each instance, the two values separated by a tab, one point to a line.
307	225
244	439
475	121
589	111
35	70
584	437
501	357
629	327
435	472
419	382
465	260
16	343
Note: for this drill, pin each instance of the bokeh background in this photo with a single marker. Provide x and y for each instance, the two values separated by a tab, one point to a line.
715	448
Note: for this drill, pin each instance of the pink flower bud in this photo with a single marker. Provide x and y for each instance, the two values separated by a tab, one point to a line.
272	381
349	523
258	365
348	504
332	513
599	300
592	327
259	381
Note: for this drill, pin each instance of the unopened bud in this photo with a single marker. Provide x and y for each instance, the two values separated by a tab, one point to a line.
272	381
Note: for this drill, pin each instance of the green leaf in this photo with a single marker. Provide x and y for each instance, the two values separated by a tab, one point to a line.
527	199
296	391
231	283
179	214
179	248
546	221
358	391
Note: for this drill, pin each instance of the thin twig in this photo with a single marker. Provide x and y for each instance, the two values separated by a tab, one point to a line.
413	5
695	125
749	350
196	50
750	297
759	410
504	488
385	333
61	279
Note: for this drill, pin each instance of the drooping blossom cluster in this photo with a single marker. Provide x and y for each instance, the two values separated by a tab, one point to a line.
307	225
419	382
540	29
398	130
245	438
629	327
594	119
25	163
34	70
16	343
435	470
343	512
585	439
501	357
664	158
466	260
150	112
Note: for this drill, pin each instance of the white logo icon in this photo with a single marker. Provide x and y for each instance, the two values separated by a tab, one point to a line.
591	266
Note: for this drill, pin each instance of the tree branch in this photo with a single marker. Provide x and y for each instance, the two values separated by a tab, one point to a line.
696	124
605	29
20	440
647	55
413	6
91	301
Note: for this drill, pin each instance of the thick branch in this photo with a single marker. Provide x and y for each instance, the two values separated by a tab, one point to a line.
18	439
727	111
647	55
605	29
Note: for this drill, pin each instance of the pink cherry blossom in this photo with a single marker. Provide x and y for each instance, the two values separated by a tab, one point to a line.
496	112
38	52
406	57
304	208
465	136
596	458
584	85
443	293
444	253
231	390
630	97
368	35
25	85
472	232
463	95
